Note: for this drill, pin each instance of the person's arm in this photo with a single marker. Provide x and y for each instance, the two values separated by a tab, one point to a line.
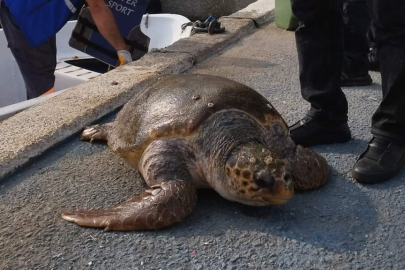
107	26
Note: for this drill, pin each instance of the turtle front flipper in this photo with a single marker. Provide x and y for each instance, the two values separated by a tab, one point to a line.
96	132
163	205
311	169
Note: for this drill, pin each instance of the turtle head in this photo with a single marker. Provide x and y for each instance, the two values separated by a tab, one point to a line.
255	176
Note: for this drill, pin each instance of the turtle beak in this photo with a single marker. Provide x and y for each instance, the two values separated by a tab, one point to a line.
276	191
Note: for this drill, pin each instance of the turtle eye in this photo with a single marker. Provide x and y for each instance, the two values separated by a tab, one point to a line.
264	179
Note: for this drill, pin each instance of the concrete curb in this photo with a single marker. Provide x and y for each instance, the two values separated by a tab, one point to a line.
260	12
33	131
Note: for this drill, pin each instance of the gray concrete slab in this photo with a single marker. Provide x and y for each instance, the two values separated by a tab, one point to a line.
202	46
340	226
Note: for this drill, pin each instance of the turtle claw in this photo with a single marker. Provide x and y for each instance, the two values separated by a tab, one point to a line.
92	218
95	132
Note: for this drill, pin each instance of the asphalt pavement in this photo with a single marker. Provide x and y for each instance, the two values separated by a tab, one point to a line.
342	225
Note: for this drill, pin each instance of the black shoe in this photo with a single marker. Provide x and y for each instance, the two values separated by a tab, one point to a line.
381	161
310	131
345	80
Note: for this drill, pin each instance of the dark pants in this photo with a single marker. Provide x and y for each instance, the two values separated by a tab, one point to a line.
37	65
320	53
356	24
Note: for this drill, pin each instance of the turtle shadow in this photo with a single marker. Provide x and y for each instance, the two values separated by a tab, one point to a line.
336	217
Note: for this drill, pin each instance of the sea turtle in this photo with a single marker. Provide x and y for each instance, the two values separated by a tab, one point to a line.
187	132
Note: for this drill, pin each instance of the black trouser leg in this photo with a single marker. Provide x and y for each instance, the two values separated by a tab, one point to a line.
389	21
320	54
356	20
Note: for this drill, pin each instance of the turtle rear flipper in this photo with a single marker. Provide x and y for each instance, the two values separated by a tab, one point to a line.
163	205
311	169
